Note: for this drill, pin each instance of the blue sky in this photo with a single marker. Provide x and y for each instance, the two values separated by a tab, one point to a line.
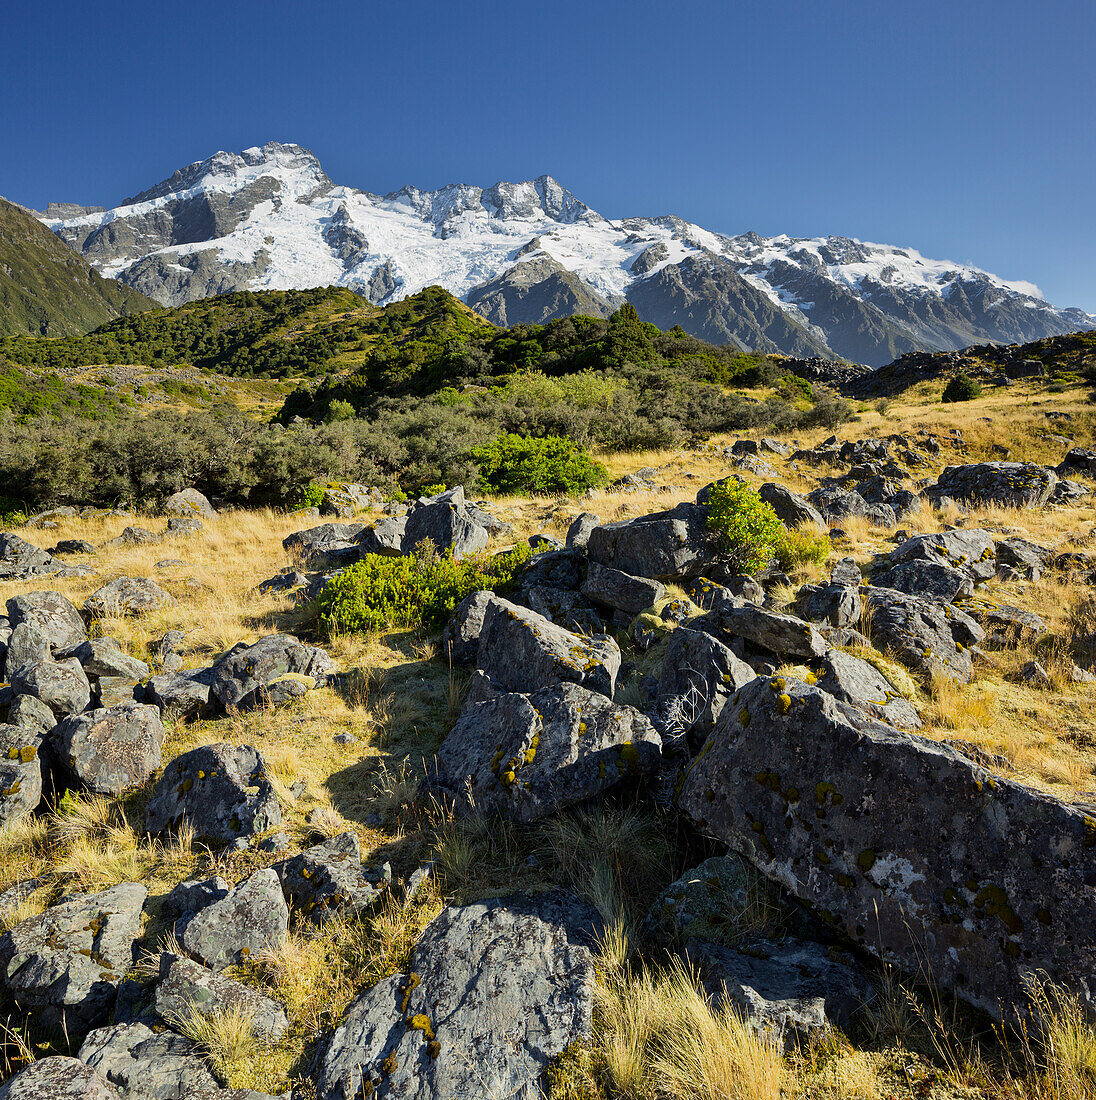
965	129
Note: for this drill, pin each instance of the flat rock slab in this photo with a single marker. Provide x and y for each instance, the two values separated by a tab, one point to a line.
496	990
58	1078
112	750
783	635
855	681
905	845
251	918
621	591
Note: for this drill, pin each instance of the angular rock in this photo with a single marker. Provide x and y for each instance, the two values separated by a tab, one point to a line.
578	534
460	639
325	547
20	559
244	678
136	536
448	523
65	965
51	614
32	713
126	596
834	604
618	590
1005	624
784	635
384	537
58	1078
144	1065
329	878
109	751
496	990
1077	461
1018	558
105	657
1018	484
189	898
523	651
185	693
857	682
20	773
704	902
527	756
928	579
73	546
699	674
285	581
836	503
26	646
251	918
564	608
664	545
969	550
908	847
791	509
221	791
188	502
61	685
554	569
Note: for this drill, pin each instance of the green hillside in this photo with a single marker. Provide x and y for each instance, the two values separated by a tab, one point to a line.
46	289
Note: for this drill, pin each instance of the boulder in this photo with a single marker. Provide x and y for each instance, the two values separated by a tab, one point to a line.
460	639
496	991
31	713
664	545
967	550
553	569
383	537
183	526
20	559
329	878
73	546
20	773
135	536
245	677
612	588
928	579
185	985
833	604
448	523
1017	484
185	694
26	646
64	966
126	596
189	898
188	502
51	615
522	651
859	683
325	547
251	918
58	1078
578	534
61	685
1020	559
1077	461
144	1065
1004	624
285	581
783	635
105	657
908	847
528	756
221	791
791	509
109	751
705	902
836	503
564	608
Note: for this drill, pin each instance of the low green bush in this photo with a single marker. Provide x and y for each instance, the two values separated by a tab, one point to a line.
552	464
11	513
748	528
801	546
962	388
417	590
309	496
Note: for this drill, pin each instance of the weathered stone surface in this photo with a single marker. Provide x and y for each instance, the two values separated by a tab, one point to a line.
496	991
460	639
618	590
189	898
784	635
64	966
383	537
188	502
968	550
1003	623
833	604
928	579
699	674
523	651
20	772
26	710
528	756
578	534
1018	558
836	503
185	985
325	547
221	790
109	751
105	657
73	546
448	523
51	614
250	918
58	1078
1019	484
1077	461
788	993
564	608
144	1065
329	878
910	848
663	545
135	536
184	693
126	596
554	569
790	508
26	646
245	677
704	902
853	680
20	559
61	685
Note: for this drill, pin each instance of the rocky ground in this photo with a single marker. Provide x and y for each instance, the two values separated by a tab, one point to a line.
642	827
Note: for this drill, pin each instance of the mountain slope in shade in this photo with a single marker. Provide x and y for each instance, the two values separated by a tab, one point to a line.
271	218
48	290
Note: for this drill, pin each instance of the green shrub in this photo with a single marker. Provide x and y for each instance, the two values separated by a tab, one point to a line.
309	496
962	388
339	410
11	513
799	547
747	527
416	590
553	464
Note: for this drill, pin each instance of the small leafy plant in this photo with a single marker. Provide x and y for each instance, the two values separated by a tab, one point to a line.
552	464
747	527
962	388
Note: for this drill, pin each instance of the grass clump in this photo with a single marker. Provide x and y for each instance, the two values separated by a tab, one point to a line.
801	546
552	464
413	591
747	527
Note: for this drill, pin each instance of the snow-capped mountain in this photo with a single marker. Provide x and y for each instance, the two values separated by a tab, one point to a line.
270	218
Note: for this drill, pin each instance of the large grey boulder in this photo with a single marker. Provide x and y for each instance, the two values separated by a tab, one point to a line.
909	848
969	550
448	523
527	756
855	681
791	509
188	502
222	791
384	537
460	638
1019	558
565	608
246	677
20	559
27	645
20	773
52	615
26	710
837	504
185	693
523	651
664	545
61	685
188	899
928	579
126	596
58	1078
621	591
144	1065
1018	484
783	635
105	657
109	751
325	547
496	990
328	879
186	986
65	965
834	604
578	534
251	918
699	674
788	993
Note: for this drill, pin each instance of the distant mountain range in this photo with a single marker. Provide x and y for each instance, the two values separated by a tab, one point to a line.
528	252
47	289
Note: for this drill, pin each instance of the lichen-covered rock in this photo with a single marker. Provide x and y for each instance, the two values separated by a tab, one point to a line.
833	604
705	902
105	657
245	677
618	590
61	685
496	990
51	614
383	537
788	993
578	534
109	751
251	918
528	756
222	791
27	645
184	693
1003	623
126	596
325	547
928	579
448	523
664	545
188	502
460	639
329	878
857	682
26	710
1018	484
909	848
20	772
185	986
523	651
189	898
699	674
792	510
783	635
1018	558
58	1078
836	503
145	1065
970	550
64	966
563	607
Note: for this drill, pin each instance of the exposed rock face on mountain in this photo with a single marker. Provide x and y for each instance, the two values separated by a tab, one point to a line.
527	252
